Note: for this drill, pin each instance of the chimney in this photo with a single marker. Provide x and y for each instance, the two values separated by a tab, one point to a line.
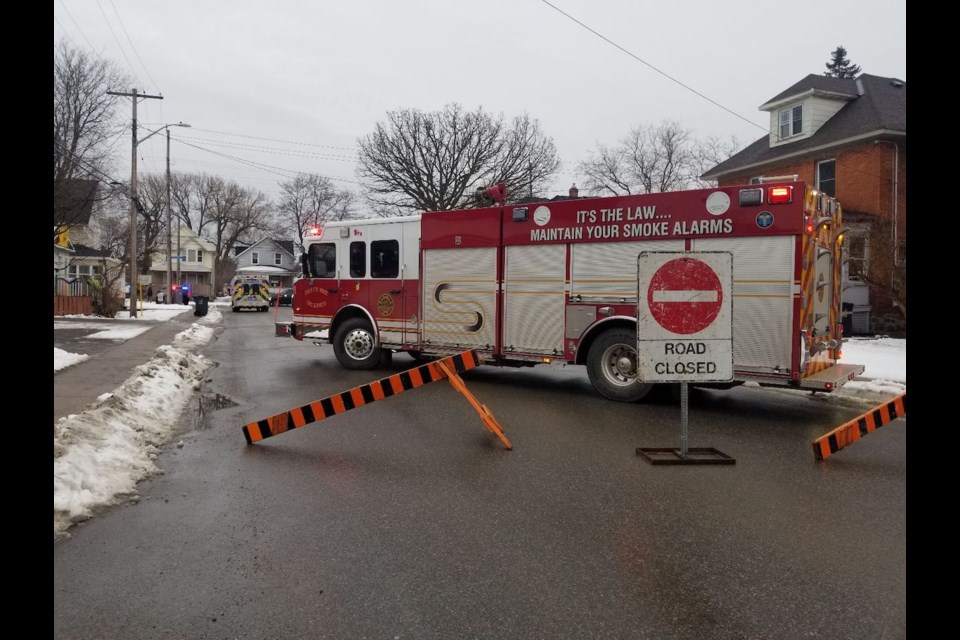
574	191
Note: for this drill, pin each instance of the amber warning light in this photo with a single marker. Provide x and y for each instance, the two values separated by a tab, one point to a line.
780	195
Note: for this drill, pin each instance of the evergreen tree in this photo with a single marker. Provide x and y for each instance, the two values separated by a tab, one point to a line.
839	66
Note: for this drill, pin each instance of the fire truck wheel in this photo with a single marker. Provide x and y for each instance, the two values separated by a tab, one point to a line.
612	366
355	345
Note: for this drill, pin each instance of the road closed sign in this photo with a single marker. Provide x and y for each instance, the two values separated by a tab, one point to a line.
684	316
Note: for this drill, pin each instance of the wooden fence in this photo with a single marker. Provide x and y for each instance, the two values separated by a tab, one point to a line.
72	296
72	305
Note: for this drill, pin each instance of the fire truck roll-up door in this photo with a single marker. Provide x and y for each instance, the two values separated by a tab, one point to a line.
534	299
460	298
763	300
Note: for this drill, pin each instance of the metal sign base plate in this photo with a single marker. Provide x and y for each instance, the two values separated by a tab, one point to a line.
695	455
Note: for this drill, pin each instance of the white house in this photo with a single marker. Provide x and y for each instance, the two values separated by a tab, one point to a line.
267	257
196	267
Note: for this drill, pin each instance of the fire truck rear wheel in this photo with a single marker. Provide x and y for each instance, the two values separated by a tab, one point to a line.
612	366
355	345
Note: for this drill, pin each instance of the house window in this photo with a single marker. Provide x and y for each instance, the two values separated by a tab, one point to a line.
277	259
857	247
791	121
255	258
199	255
827	177
194	255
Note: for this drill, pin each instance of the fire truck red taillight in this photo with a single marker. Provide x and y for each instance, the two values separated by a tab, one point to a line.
809	228
780	195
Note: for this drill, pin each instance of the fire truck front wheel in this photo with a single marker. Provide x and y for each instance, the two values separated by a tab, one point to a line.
612	366
355	345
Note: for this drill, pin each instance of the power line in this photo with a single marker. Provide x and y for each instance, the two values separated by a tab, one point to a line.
119	46
265	167
666	75
77	26
308	144
663	73
131	45
274	150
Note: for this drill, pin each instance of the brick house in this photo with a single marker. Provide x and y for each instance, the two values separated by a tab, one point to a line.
848	138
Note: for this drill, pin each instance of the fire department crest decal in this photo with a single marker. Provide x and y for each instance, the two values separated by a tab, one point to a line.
385	304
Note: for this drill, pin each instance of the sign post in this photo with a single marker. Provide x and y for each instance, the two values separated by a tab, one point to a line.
684	333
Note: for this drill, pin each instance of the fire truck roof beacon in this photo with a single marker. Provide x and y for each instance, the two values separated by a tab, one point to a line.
780	195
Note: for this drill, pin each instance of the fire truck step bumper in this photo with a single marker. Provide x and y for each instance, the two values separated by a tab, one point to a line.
832	377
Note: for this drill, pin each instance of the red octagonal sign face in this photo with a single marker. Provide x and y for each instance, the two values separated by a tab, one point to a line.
685	296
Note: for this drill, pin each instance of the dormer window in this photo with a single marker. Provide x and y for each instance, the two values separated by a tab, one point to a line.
791	121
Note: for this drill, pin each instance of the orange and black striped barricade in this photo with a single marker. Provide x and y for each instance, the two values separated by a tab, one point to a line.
378	390
848	433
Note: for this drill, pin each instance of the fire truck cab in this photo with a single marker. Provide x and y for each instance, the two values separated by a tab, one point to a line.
556	282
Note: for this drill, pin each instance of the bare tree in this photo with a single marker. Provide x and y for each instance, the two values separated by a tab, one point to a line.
152	223
706	154
84	124
182	197
420	161
235	215
113	223
310	199
650	159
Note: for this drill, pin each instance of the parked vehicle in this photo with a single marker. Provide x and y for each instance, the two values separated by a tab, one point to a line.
286	298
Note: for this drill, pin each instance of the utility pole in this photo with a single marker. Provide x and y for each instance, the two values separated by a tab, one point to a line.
168	298
134	200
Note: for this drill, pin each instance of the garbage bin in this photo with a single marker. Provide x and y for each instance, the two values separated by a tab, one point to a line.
200	305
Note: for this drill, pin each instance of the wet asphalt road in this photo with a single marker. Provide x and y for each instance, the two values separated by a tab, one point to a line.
407	519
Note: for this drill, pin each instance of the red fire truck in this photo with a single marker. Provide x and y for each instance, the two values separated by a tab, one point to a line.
556	282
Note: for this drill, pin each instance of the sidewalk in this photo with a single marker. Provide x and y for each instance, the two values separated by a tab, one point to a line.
81	384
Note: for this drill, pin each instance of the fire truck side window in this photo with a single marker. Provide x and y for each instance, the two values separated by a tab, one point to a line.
358	259
323	259
384	259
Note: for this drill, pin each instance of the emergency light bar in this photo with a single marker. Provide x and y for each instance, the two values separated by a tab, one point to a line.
780	195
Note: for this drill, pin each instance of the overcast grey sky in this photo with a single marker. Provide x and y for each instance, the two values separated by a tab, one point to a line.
283	87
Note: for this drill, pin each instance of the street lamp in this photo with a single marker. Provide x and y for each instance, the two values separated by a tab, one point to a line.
168	298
